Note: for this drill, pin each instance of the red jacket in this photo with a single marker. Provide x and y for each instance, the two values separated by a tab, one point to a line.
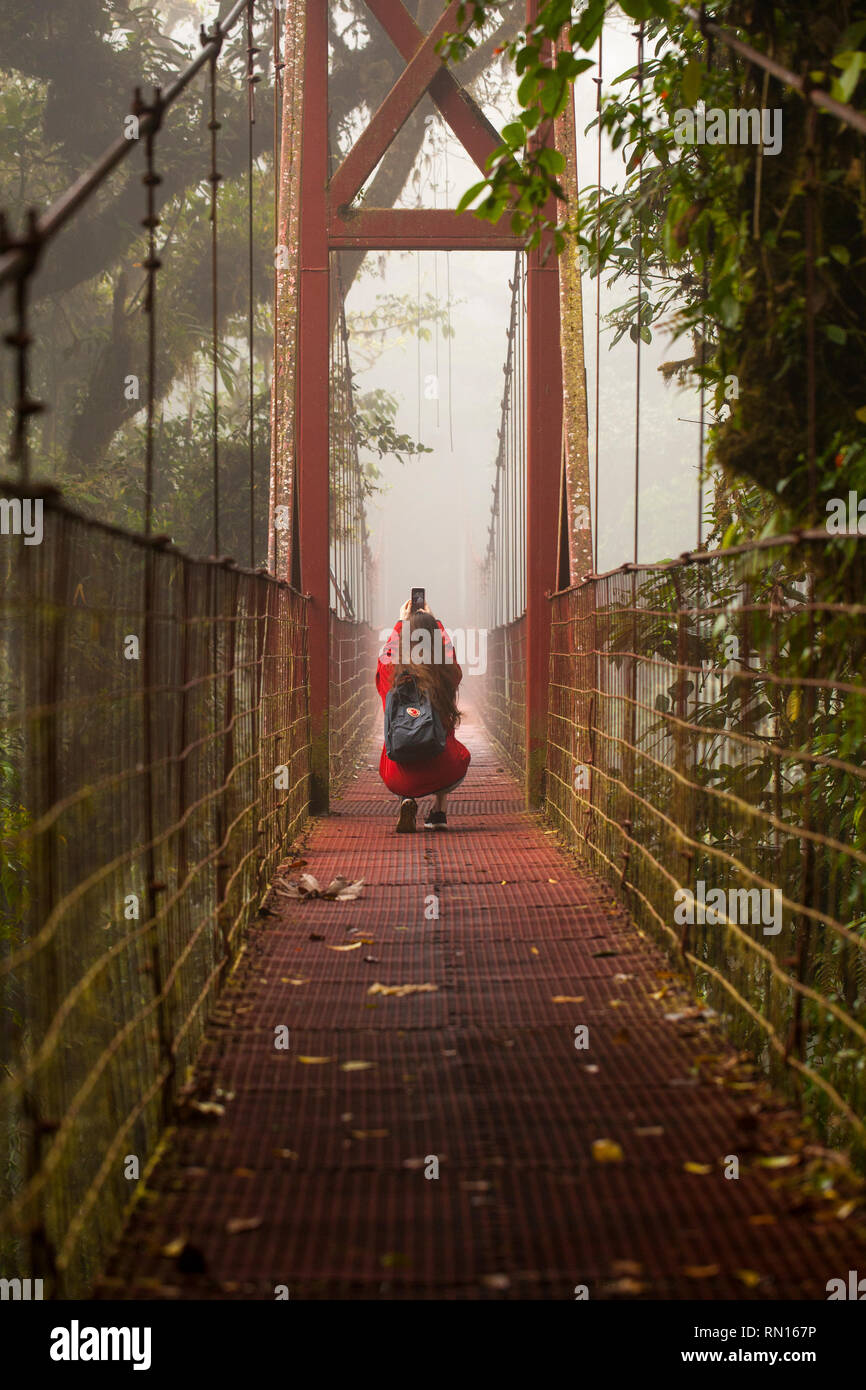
420	779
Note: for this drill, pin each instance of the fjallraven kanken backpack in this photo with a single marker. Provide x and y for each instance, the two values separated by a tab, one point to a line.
414	731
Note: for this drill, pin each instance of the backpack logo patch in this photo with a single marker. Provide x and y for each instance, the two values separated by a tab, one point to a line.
413	711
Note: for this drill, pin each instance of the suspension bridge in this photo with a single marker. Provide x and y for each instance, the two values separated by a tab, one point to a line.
521	1063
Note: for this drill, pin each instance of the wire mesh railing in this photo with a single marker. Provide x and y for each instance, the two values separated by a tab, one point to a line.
706	726
155	758
154	724
504	575
502	692
354	701
350	556
352	641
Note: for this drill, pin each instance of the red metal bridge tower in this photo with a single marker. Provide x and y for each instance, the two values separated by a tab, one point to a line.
327	220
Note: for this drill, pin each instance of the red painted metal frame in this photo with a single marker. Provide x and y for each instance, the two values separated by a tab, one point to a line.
459	109
395	110
411	229
312	419
330	223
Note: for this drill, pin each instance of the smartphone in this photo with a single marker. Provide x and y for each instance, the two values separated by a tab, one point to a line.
418	600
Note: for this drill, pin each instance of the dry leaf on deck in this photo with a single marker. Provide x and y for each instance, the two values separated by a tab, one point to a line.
238	1224
356	1066
351	890
606	1151
567	998
627	1285
313	1061
308	886
207	1107
401	990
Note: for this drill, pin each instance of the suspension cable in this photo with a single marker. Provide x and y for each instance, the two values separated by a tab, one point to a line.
152	263
252	78
214	179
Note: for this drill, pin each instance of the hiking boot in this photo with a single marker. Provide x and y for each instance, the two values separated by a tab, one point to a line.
436	820
406	819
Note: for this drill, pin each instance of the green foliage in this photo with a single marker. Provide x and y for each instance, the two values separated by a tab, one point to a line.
721	228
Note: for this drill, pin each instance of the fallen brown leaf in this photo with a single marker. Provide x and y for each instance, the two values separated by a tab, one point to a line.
401	990
627	1285
606	1151
207	1107
238	1224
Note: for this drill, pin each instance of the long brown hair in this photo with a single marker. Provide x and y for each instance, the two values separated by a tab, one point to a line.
435	678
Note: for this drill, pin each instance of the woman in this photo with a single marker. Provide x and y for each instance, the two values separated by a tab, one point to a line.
419	649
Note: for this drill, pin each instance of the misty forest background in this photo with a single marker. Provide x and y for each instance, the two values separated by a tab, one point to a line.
66	80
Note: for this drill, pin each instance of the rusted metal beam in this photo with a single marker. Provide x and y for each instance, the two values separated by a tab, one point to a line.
459	108
425	229
398	105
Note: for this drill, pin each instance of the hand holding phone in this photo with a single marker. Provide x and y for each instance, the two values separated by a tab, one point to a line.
418	600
